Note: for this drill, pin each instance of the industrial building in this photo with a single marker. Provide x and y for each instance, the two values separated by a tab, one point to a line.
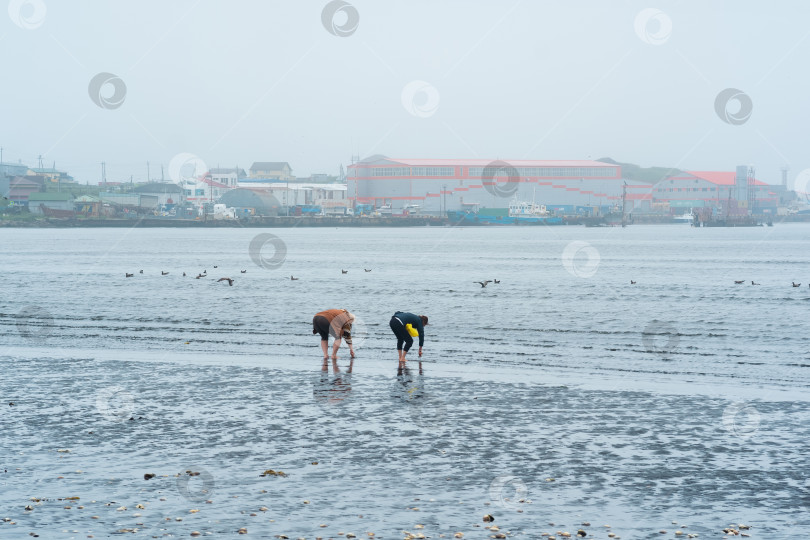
728	192
39	203
248	202
437	186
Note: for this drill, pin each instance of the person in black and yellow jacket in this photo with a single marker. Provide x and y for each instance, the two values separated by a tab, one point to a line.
407	326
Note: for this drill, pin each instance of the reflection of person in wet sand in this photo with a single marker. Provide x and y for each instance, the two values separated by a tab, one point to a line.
407	326
402	369
409	387
336	388
338	324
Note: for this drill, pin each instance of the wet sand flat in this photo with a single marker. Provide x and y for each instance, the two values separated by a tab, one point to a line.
370	452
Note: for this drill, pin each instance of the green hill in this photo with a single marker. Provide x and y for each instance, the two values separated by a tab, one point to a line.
648	175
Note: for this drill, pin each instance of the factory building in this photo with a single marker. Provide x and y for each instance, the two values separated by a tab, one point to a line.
728	192
436	186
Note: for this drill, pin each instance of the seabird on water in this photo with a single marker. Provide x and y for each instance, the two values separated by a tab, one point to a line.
796	284
293	278
128	275
162	273
752	283
483	283
366	269
739	282
229	280
632	282
243	271
344	271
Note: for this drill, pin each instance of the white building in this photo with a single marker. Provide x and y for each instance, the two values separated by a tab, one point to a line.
227	177
332	198
204	190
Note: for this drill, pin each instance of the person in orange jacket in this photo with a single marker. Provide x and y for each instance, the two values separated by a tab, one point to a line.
338	324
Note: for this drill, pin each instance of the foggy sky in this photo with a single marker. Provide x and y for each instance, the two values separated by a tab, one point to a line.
247	81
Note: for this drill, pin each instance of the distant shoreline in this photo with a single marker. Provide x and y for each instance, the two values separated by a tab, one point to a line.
343	221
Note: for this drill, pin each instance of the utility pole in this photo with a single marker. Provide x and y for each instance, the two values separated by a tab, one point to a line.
444	200
161	172
40	162
148	176
104	174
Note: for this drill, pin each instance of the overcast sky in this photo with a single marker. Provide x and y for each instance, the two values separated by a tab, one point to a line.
245	81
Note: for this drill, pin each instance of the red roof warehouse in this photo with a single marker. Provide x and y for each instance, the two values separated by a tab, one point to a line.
696	189
454	184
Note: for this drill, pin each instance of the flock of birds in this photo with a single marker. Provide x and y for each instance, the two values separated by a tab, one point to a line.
741	281
200	275
483	284
230	281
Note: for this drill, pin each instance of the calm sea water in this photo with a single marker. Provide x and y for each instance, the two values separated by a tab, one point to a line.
682	397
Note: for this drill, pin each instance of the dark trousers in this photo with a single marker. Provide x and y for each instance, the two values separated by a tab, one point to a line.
402	334
320	325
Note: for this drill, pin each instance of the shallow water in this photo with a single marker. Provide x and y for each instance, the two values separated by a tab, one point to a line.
680	398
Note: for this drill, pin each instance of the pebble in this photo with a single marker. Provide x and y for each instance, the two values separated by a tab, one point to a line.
488	518
243	530
195	533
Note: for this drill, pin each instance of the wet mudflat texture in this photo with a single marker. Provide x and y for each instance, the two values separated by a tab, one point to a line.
561	395
375	453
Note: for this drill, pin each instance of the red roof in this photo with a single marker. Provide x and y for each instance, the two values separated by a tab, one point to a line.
211	183
485	162
720	178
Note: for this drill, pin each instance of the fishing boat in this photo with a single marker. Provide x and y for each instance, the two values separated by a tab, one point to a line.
517	213
521	210
686	217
